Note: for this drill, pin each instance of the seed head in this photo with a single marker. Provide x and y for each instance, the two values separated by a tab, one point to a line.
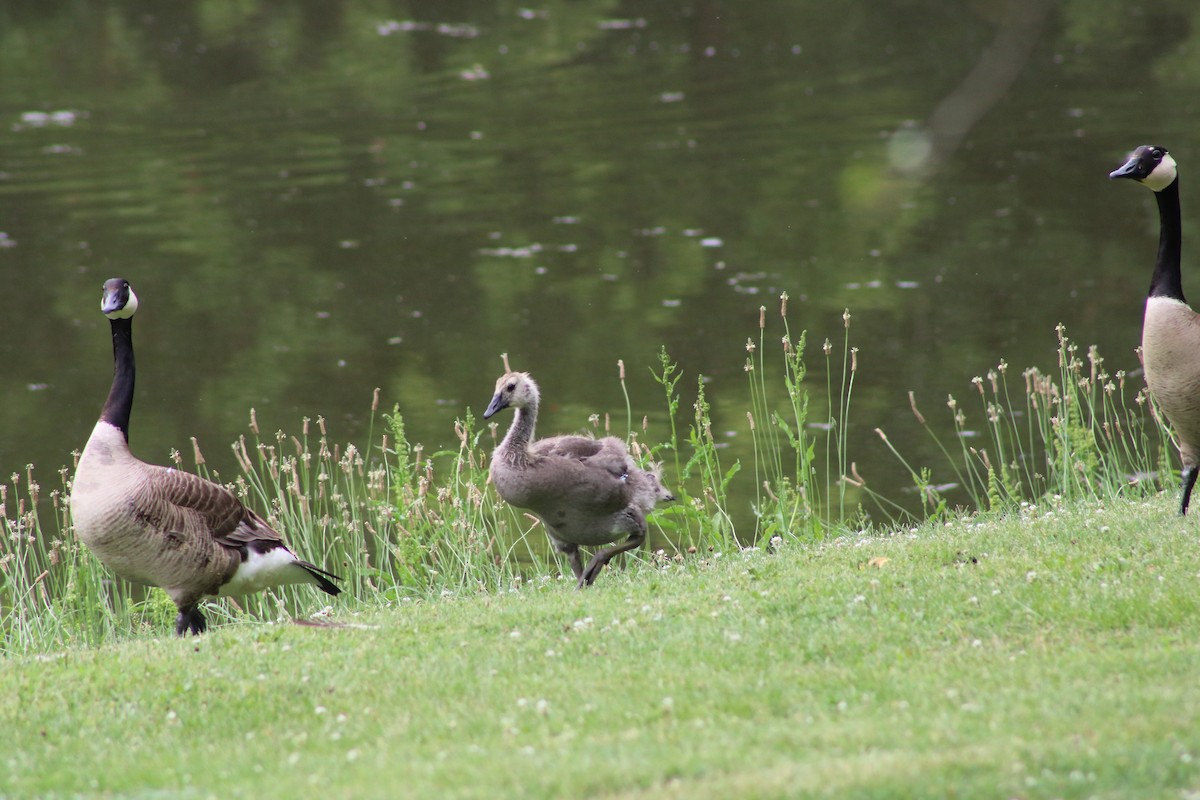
912	402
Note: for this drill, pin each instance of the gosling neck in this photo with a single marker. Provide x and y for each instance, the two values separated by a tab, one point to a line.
1167	281
120	395
516	442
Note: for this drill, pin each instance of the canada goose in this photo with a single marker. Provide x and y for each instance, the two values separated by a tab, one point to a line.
159	526
1170	329
586	491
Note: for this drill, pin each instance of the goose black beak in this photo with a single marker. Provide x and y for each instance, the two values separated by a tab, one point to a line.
1127	170
115	297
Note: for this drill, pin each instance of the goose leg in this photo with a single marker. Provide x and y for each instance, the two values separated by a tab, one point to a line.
1189	481
190	620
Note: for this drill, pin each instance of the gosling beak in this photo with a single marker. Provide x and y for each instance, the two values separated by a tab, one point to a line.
497	404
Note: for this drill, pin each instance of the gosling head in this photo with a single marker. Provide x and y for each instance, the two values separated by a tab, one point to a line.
118	300
661	493
1149	165
513	389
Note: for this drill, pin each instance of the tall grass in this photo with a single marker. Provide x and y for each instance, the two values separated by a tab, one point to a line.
1072	433
788	496
400	524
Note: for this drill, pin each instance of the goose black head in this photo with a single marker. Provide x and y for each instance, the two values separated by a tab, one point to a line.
118	301
1149	165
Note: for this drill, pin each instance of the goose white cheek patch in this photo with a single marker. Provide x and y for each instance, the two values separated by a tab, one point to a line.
1162	175
129	309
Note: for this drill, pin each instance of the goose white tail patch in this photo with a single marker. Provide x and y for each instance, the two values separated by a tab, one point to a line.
260	571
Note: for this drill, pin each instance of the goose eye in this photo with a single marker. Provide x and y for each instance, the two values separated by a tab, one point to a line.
1156	153
512	387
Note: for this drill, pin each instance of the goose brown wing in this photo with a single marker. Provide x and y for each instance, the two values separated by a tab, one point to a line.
191	504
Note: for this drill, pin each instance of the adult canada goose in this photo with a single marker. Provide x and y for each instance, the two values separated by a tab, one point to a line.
1170	329
586	491
163	527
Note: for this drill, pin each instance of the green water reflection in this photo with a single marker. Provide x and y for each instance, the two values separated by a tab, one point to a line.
317	198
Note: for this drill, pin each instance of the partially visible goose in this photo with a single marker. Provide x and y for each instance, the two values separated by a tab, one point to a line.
1171	329
586	491
163	527
648	488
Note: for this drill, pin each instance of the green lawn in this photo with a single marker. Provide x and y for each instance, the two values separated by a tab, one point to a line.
1054	653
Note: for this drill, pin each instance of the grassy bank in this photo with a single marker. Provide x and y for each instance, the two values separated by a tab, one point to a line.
403	524
1048	652
1042	643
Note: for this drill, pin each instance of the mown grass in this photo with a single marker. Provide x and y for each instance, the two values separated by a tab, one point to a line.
1051	652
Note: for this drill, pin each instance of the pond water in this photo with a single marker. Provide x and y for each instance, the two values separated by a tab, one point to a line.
316	199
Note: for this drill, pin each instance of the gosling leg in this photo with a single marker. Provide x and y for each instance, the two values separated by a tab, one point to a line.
576	563
1189	481
604	556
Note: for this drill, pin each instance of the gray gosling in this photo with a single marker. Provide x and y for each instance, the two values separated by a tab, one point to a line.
162	527
587	492
1170	328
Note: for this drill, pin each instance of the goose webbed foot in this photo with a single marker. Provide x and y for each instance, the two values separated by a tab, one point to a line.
1189	481
588	577
190	620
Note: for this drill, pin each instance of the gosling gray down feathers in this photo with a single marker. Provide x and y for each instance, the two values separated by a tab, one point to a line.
162	527
1170	328
586	491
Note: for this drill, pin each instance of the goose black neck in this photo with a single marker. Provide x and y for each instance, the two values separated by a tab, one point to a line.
120	396
1167	281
